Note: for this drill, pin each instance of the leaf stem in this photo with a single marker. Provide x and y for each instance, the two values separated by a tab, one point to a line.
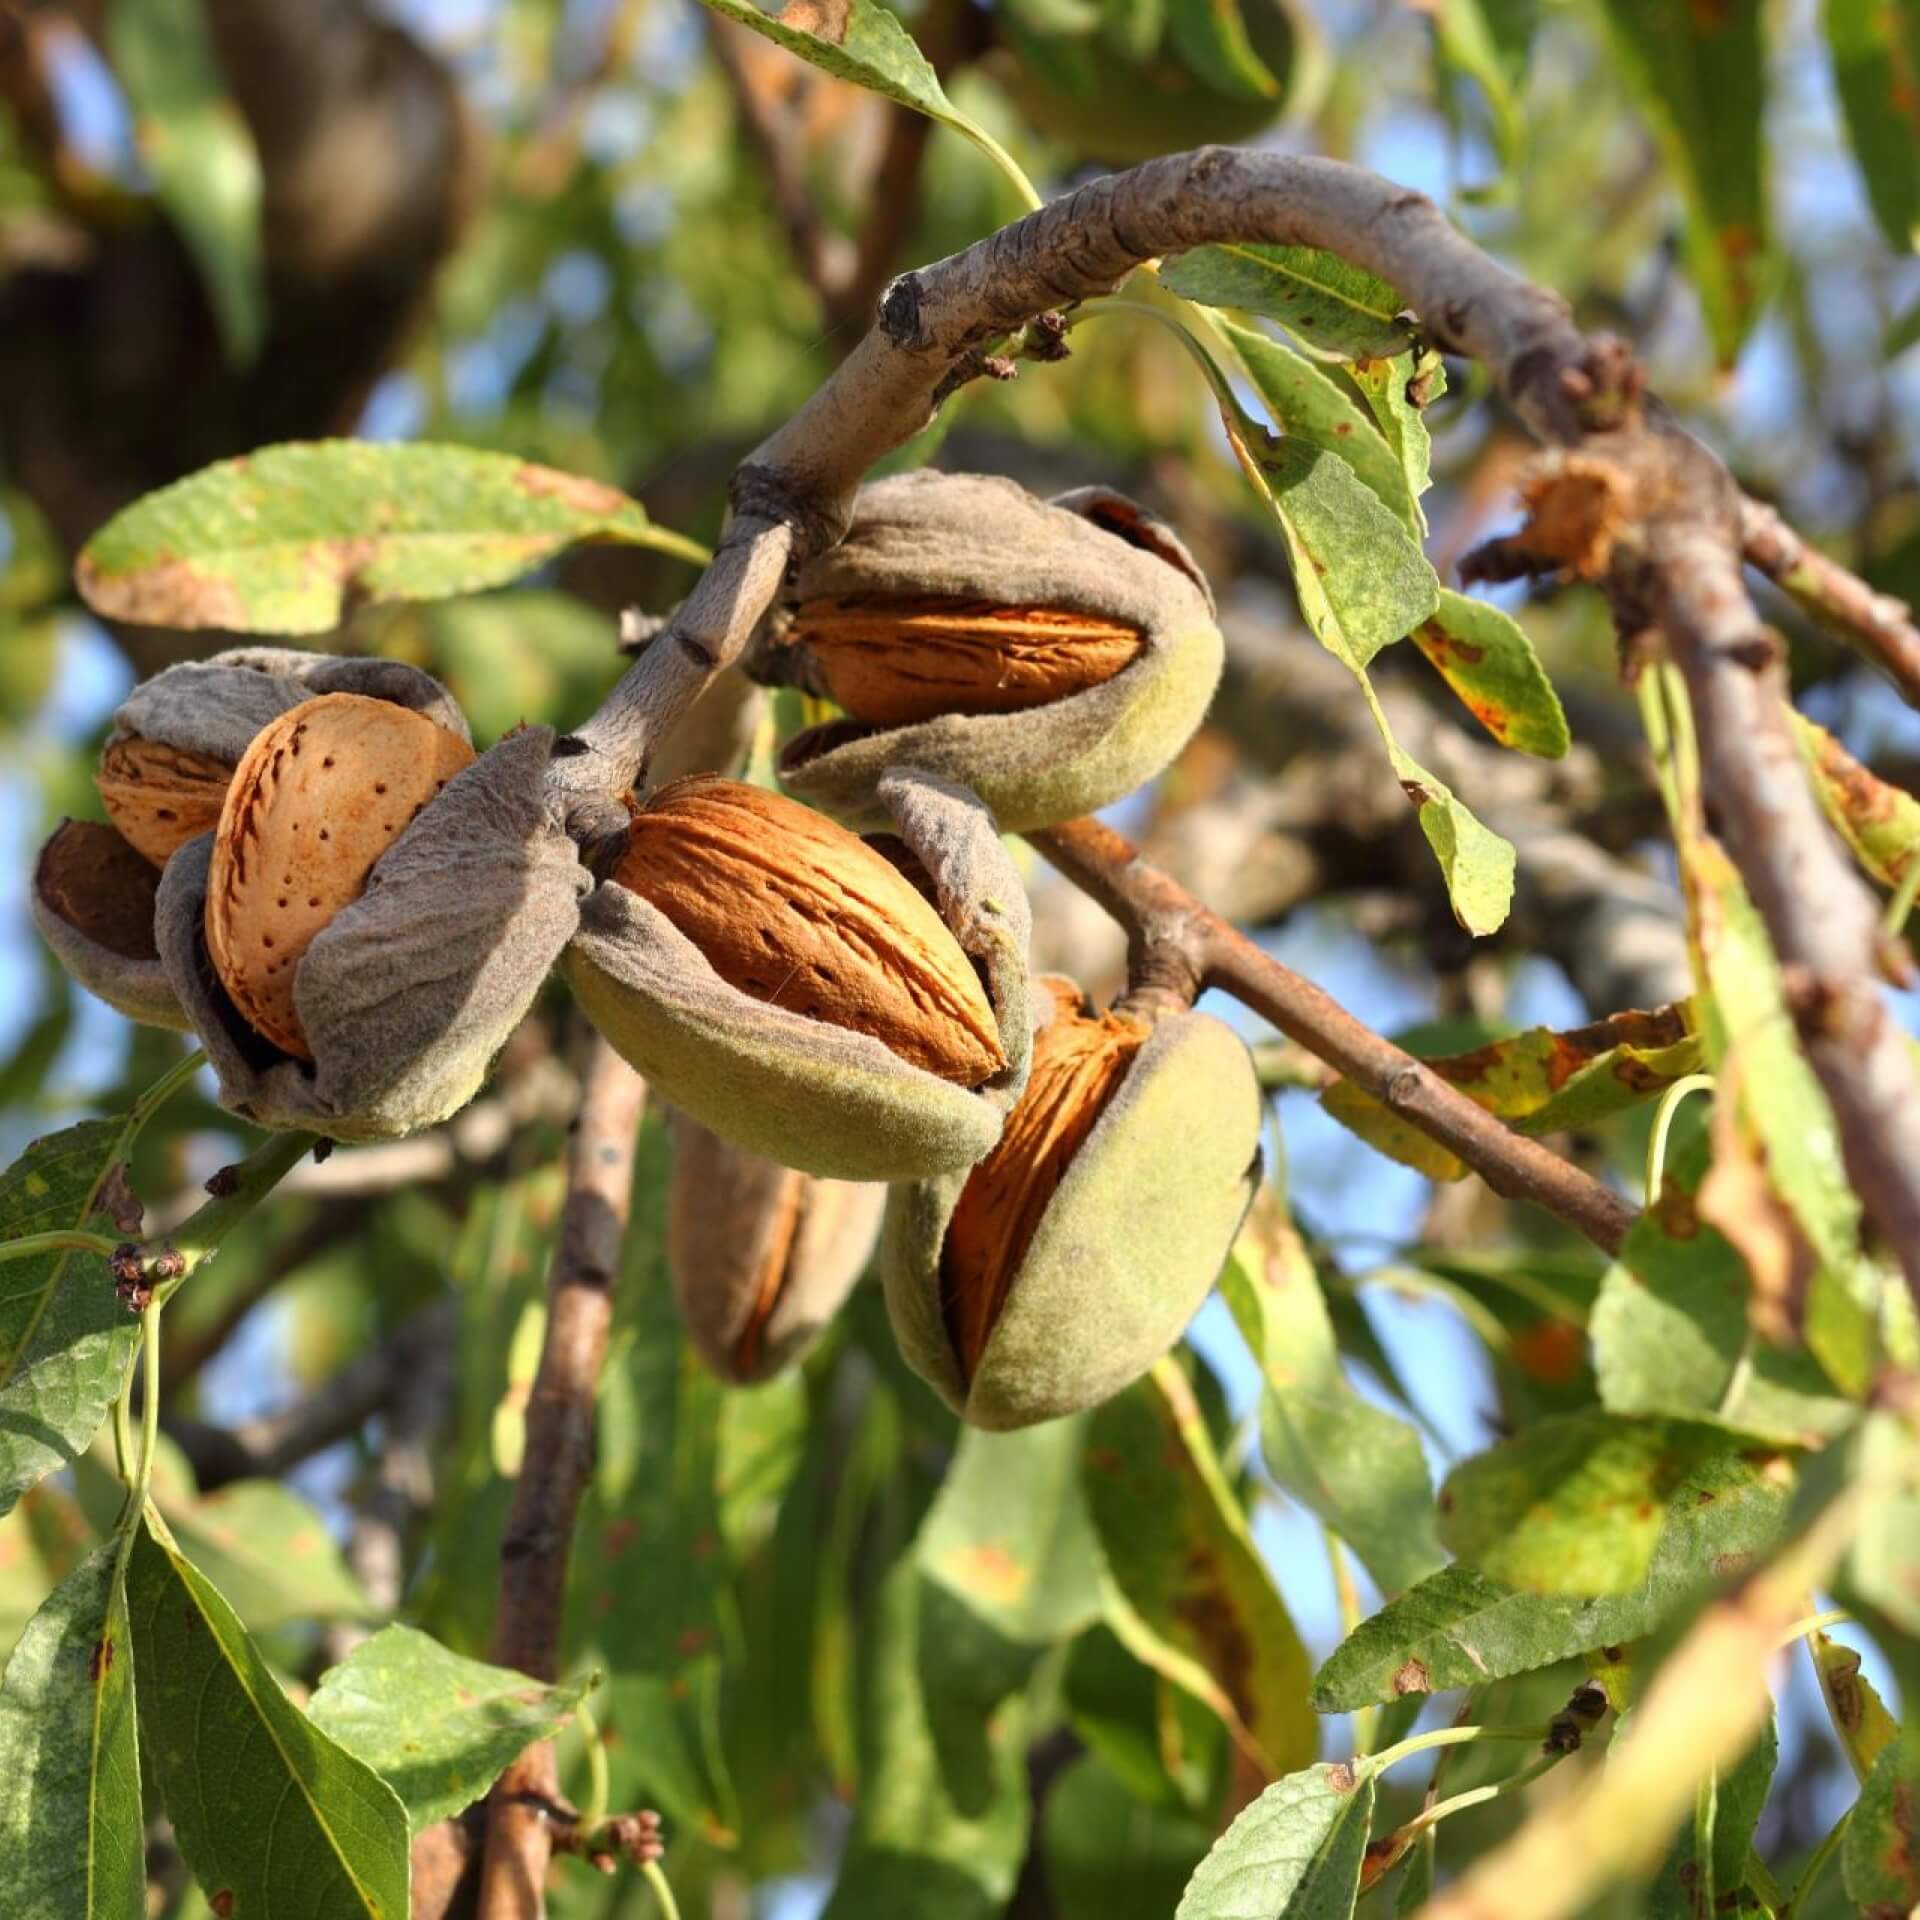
1473	1796
1816	1865
1901	905
242	1187
1663	1125
1366	1720
1451	1737
149	1401
594	1813
657	1880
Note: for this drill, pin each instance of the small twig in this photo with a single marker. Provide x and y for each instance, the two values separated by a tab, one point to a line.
558	1461
1876	624
1180	944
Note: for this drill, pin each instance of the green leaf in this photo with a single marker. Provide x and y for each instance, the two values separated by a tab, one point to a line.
1859	1715
1112	1857
1885	1562
1538	1081
1025	1566
283	540
1325	302
1211	38
65	1339
200	152
1880	1857
1484	655
41	1541
1360	1469
1308	403
1903	333
1397	388
1466	38
1294	1854
1190	1594
1879	821
288	1821
72	1839
269	1552
863	41
438	1728
1876	69
1699	74
1459	1628
1706	1871
1574	1504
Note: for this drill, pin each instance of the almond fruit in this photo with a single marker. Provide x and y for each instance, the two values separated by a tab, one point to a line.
892	660
101	887
791	909
320	795
160	797
1078	1063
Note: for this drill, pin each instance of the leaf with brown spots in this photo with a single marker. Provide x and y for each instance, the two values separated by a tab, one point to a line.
1484	655
1859	1715
1294	1854
1876	70
289	539
1190	1595
1879	821
1880	1857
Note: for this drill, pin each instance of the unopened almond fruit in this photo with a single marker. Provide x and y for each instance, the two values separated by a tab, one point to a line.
320	795
797	912
160	796
894	659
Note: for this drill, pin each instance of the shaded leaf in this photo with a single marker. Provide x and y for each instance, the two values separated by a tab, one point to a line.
1706	1871
1876	70
283	540
288	1821
1880	1856
72	1838
1699	73
1211	38
270	1553
1879	821
41	1541
1191	1595
65	1339
438	1728
1293	1855
1324	301
1538	1081
1112	1857
200	152
1484	655
1360	1469
1574	1504
1459	1628
1467	37
1885	1561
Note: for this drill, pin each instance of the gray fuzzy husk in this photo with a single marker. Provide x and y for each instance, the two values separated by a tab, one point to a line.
980	537
409	991
216	706
828	1101
1127	1249
137	988
724	1210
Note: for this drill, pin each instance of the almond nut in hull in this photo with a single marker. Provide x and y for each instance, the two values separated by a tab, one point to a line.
158	796
93	902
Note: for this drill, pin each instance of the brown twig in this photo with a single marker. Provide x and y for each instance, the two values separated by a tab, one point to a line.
558	1460
1180	946
1880	626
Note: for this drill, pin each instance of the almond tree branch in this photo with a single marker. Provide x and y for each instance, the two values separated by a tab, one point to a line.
1182	946
558	1461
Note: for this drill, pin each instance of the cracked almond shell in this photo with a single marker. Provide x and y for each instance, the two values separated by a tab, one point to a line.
93	902
1050	656
827	1098
1111	1233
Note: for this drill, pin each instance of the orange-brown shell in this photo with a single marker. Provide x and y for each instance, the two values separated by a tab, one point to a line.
158	796
791	909
320	795
895	660
1079	1061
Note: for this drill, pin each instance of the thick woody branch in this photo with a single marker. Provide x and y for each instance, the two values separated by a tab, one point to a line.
1878	625
557	1464
1177	941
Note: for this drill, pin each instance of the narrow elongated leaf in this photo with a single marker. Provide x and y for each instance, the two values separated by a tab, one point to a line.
1294	1854
1211	38
1880	1857
72	1840
1707	1868
1192	1597
1885	1563
437	1728
1459	1628
1397	389
1323	301
200	152
1484	655
1573	1504
1360	1469
280	541
289	1821
1538	1081
1876	68
1699	74
1860	1716
65	1339
1879	821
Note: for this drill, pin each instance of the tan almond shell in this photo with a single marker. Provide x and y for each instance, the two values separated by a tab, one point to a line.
93	903
762	1256
820	1098
1129	1246
409	991
317	798
797	912
972	537
158	796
